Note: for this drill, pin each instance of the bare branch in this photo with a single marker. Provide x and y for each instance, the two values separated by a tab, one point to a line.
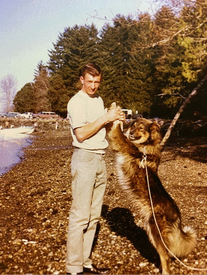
175	119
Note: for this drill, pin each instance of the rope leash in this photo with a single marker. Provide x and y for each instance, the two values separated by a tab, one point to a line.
143	164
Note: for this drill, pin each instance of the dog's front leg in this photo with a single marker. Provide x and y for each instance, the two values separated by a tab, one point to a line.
120	142
116	136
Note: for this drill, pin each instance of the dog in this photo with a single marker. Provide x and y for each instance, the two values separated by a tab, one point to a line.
137	160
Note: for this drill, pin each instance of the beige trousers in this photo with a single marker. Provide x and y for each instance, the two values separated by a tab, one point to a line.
89	179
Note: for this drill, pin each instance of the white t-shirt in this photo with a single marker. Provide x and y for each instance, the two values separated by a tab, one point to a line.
83	109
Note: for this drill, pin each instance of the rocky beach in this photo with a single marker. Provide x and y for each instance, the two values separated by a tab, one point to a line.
35	199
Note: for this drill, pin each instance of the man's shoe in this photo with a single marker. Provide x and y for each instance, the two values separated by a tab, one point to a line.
95	270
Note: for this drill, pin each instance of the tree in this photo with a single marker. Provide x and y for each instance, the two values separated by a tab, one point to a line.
176	117
150	64
8	90
181	55
58	95
24	99
74	48
126	70
40	86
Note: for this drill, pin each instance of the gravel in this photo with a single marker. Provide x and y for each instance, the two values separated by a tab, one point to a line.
35	200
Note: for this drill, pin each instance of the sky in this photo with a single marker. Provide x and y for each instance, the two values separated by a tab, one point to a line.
28	28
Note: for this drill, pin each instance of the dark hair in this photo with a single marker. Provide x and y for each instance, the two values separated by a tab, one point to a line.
92	69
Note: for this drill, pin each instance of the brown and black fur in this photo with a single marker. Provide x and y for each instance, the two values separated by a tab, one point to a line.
143	139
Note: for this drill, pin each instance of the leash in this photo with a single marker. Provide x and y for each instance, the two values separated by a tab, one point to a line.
143	164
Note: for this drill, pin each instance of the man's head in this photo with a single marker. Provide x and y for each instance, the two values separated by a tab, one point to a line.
90	78
92	69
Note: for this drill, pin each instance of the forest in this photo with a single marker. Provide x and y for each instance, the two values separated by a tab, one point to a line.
150	63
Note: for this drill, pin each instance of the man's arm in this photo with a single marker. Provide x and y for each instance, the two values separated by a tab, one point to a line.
91	129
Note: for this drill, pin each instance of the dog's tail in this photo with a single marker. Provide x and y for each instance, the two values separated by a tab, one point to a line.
182	241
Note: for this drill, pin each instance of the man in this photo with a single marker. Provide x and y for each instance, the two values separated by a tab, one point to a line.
88	120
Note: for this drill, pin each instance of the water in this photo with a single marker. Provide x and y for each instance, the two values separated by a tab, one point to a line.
11	150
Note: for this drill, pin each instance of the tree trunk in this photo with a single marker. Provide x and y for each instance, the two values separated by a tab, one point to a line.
176	117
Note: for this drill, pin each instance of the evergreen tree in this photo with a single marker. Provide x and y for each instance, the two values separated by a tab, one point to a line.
24	99
75	47
177	53
125	65
149	64
40	86
58	95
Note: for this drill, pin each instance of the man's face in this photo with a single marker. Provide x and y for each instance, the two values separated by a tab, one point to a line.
90	84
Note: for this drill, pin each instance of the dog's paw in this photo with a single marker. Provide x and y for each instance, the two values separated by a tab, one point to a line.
113	106
116	122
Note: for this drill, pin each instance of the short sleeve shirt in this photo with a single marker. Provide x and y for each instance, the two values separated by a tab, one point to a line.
83	109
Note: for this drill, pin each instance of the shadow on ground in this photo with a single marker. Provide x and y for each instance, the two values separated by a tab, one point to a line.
122	222
192	148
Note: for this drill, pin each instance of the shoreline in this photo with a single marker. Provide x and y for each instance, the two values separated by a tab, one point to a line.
12	152
36	198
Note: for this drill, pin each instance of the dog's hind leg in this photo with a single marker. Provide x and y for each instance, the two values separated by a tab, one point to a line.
157	242
164	259
164	256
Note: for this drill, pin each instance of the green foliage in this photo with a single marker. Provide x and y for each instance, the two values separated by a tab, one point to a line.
127	69
58	95
150	64
75	47
179	61
24	99
40	86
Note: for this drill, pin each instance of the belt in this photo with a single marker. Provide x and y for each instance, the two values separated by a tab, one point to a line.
95	151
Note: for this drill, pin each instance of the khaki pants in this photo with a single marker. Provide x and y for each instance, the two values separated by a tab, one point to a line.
89	179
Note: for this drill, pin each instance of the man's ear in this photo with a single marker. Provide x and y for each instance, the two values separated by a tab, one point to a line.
82	79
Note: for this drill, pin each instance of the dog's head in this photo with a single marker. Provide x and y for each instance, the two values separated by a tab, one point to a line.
144	131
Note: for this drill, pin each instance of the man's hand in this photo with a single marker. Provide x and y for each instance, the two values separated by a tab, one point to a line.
115	113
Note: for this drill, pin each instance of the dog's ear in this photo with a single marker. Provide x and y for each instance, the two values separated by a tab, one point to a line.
155	132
